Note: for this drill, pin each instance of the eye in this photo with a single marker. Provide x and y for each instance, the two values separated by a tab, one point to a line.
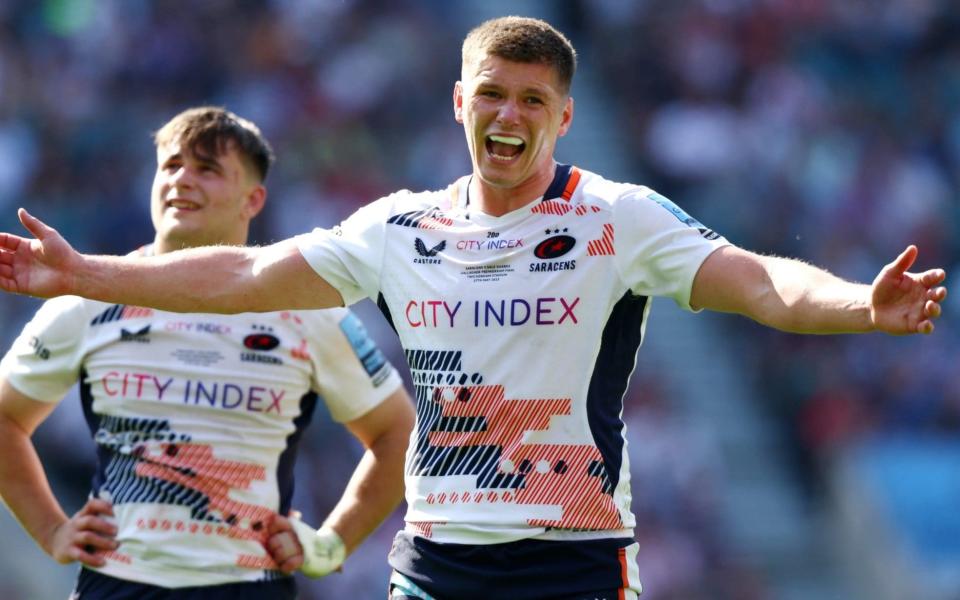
534	100
490	94
171	165
208	167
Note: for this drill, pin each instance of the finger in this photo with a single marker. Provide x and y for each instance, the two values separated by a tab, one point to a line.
91	559
10	242
292	564
284	547
277	547
903	262
931	309
279	524
91	541
937	294
933	277
97	525
97	506
38	228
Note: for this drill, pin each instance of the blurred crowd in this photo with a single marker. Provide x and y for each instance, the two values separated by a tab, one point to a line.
824	130
828	130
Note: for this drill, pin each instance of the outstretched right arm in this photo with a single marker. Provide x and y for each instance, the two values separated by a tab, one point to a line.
216	279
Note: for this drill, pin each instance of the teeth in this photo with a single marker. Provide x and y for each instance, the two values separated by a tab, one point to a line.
182	204
513	141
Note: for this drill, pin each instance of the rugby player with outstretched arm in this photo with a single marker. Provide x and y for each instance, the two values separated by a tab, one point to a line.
520	294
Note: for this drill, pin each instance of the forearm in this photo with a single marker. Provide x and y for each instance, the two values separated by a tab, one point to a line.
214	279
373	492
24	486
800	298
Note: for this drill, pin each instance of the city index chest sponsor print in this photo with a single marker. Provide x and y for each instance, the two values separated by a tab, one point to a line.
492	313
223	394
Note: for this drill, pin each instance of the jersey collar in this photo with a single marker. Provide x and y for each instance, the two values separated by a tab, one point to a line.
565	180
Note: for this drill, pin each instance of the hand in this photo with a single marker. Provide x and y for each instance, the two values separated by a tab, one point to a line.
85	536
295	545
41	267
903	303
283	546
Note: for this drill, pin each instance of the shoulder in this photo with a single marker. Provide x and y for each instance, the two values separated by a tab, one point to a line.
399	205
407	200
318	321
72	312
596	190
627	198
633	205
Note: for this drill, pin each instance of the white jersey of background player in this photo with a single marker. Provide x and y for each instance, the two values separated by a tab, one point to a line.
196	417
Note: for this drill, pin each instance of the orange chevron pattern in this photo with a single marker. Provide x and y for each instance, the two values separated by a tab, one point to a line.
559	474
603	246
194	467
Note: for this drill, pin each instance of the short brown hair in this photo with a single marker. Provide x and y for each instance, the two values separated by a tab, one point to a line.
210	128
522	39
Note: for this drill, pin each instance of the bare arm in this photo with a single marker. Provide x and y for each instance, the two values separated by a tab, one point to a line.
793	296
26	491
376	486
221	279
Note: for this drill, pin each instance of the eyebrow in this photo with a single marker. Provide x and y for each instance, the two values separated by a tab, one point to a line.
200	158
527	90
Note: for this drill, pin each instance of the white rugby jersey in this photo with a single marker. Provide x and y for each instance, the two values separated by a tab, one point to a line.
196	420
521	333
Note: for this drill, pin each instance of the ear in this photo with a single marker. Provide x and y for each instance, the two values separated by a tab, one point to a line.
458	102
567	117
255	201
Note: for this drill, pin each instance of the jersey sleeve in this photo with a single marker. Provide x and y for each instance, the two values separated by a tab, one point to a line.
349	256
353	376
660	247
45	360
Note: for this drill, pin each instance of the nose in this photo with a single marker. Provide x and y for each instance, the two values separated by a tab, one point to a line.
181	177
509	113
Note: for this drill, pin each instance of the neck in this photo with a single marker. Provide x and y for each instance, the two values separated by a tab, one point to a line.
497	201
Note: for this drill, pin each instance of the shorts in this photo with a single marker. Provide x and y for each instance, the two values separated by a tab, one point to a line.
402	588
92	585
604	569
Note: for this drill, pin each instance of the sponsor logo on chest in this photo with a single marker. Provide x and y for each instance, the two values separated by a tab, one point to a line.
501	312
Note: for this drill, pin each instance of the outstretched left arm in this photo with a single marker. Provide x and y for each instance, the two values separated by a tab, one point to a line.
793	296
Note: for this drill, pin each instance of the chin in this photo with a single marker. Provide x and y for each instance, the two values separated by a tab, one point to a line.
501	177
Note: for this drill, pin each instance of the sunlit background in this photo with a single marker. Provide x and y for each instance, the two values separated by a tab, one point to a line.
765	465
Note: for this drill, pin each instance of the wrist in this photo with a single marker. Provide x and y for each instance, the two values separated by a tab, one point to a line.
47	540
323	549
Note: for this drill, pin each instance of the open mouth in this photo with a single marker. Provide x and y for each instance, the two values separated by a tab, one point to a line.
504	148
180	204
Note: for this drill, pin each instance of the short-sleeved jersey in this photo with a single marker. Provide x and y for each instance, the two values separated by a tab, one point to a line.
521	333
196	420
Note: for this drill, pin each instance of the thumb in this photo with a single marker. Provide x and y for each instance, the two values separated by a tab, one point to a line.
903	262
38	228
